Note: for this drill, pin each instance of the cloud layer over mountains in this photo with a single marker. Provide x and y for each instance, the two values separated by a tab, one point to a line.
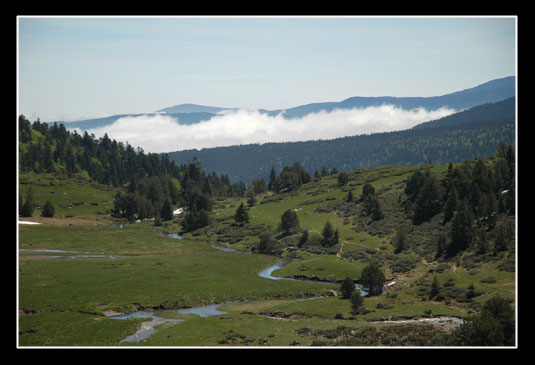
162	133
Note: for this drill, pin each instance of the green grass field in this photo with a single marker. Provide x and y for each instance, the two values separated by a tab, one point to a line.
62	301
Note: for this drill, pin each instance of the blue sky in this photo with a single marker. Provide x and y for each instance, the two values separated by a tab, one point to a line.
72	68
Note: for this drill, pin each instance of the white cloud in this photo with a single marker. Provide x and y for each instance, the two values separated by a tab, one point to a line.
162	133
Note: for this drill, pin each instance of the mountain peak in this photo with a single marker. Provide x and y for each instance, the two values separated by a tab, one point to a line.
192	108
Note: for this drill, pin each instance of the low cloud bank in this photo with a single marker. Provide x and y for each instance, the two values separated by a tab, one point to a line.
162	133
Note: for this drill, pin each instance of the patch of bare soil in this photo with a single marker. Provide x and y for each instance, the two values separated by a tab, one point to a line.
74	221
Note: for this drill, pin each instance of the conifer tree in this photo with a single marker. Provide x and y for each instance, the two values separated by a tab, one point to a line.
303	239
48	209
29	205
330	235
166	212
347	287
241	216
272	177
461	232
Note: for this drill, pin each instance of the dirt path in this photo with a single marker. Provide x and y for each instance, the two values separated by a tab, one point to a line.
66	221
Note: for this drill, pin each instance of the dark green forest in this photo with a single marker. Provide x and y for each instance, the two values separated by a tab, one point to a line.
152	182
462	136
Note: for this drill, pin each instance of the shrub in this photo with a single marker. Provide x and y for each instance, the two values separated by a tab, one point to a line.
357	301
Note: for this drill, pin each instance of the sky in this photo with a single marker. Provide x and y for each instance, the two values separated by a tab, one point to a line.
74	68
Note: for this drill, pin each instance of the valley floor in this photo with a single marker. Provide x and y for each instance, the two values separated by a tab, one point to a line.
67	300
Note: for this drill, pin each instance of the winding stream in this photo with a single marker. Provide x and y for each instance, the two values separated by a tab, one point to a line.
267	273
147	328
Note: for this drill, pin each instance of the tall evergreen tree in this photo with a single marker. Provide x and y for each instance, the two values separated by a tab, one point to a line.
400	240
166	212
461	231
427	201
347	288
272	177
330	235
241	216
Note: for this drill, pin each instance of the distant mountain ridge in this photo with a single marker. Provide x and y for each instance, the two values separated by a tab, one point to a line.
183	118
193	108
489	92
466	135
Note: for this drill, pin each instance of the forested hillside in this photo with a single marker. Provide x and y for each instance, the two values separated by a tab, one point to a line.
462	136
153	182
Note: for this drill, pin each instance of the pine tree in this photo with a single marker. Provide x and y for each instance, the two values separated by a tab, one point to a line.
367	190
166	212
451	205
48	209
330	235
132	187
461	232
400	240
347	288
272	177
241	216
427	202
29	205
303	239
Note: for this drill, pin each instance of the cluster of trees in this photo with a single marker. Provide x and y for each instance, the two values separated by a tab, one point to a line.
150	197
471	196
290	178
372	279
371	204
28	205
194	191
152	180
45	148
494	325
196	195
479	188
198	191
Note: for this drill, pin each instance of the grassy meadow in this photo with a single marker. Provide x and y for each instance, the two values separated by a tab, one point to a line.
63	301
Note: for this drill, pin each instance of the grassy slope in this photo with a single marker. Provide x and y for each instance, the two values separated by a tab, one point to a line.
61	298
